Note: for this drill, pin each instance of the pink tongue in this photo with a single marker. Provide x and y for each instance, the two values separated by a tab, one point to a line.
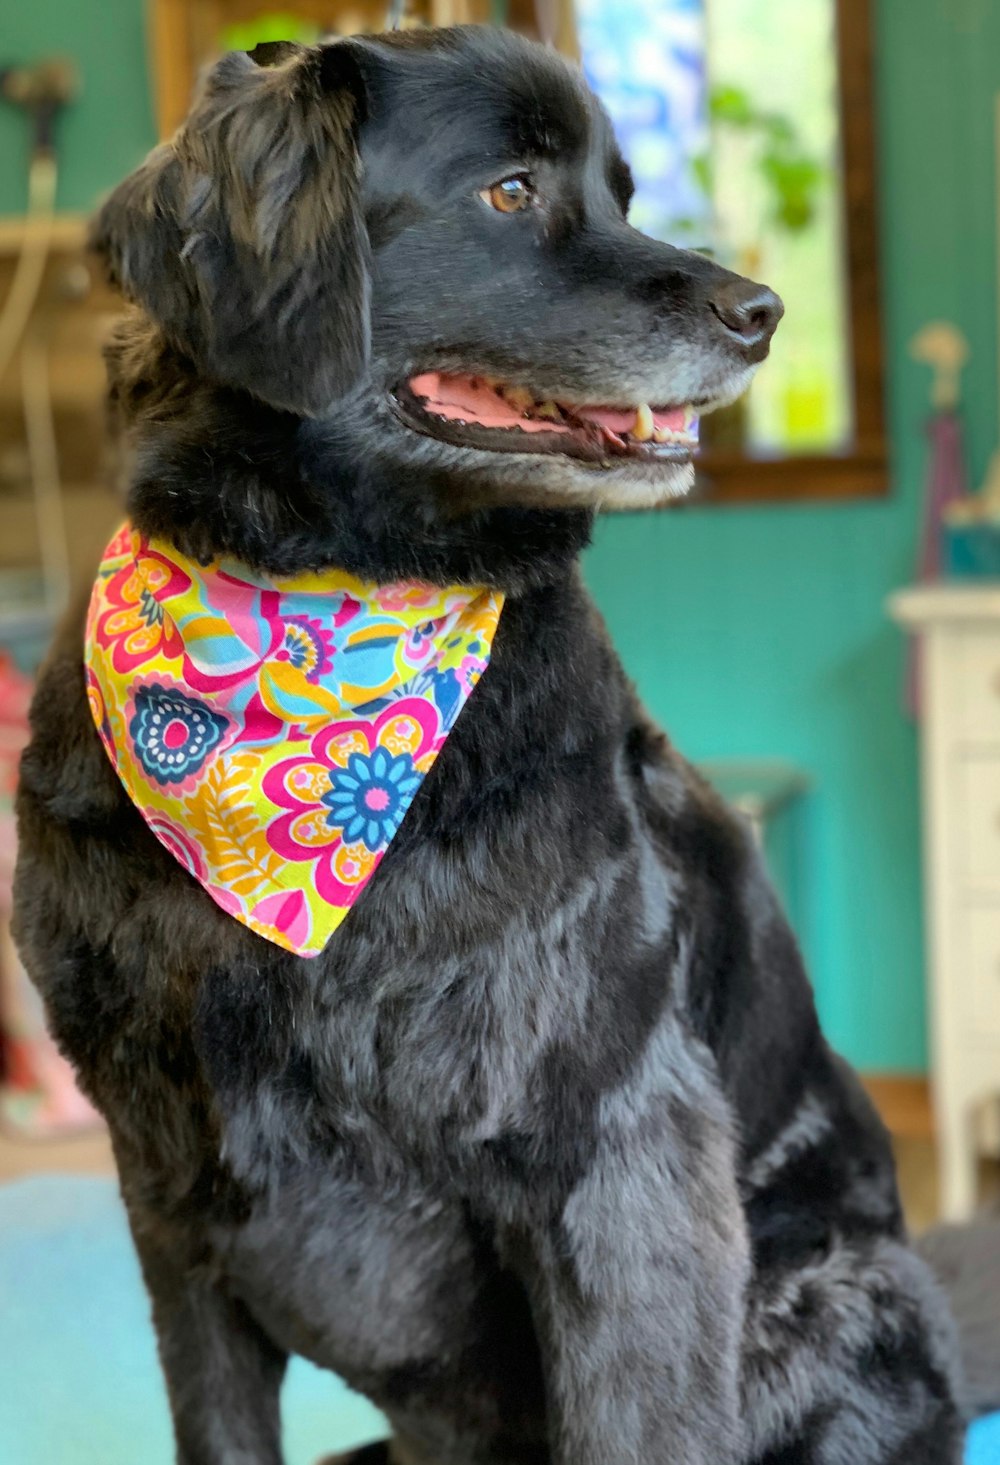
461	398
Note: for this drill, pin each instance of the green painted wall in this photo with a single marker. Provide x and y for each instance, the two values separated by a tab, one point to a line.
110	125
761	631
757	631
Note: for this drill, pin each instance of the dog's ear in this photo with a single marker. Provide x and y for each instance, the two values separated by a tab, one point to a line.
243	237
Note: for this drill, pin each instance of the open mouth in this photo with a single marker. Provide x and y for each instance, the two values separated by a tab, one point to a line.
483	412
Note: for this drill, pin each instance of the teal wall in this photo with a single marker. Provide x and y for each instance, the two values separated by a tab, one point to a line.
110	125
762	631
753	631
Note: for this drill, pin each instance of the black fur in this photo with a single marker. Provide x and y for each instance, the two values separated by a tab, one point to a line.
546	1153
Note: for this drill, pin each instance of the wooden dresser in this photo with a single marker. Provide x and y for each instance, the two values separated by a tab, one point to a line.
958	626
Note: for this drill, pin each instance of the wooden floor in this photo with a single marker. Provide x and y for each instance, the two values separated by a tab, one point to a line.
916	1164
86	1155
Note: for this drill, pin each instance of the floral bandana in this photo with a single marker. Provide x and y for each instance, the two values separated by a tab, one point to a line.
273	733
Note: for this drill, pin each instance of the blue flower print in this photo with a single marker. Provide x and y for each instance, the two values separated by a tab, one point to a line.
368	798
447	690
440	687
173	733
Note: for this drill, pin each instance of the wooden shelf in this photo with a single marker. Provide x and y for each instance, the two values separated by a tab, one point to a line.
904	1102
946	600
69	233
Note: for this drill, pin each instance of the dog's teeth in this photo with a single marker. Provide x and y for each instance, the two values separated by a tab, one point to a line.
662	435
493	382
644	424
519	398
548	409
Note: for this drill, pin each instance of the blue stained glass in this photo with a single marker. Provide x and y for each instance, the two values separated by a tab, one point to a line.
646	61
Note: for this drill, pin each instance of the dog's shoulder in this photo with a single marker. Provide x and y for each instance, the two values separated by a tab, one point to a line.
745	992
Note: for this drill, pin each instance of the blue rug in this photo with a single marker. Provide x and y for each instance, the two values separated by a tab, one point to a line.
79	1381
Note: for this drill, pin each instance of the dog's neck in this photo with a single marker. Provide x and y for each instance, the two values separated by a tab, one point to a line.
218	473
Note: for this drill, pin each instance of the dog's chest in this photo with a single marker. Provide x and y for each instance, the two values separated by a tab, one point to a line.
431	1025
353	1143
385	1069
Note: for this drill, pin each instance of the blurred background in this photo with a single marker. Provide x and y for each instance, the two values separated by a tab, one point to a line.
819	626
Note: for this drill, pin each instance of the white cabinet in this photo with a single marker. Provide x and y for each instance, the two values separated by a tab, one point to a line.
959	637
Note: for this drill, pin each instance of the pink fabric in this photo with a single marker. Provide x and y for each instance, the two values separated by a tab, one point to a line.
946	481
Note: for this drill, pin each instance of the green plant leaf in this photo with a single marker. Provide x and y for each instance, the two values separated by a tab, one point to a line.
731	104
795	181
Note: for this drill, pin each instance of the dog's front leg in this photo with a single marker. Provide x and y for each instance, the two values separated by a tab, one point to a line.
223	1374
637	1282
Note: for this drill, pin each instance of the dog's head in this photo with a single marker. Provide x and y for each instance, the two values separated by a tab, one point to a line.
421	240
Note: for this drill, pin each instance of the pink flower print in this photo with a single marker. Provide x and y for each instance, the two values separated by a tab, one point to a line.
408	594
307	646
177	841
346	795
470	669
134	628
419	644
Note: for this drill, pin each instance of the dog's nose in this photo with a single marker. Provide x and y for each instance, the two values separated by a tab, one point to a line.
749	311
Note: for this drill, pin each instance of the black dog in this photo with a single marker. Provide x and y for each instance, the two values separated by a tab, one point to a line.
545	1153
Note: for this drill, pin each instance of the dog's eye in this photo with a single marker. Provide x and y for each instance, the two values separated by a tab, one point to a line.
510	195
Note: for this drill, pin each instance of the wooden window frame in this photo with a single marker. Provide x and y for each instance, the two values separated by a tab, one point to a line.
862	470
